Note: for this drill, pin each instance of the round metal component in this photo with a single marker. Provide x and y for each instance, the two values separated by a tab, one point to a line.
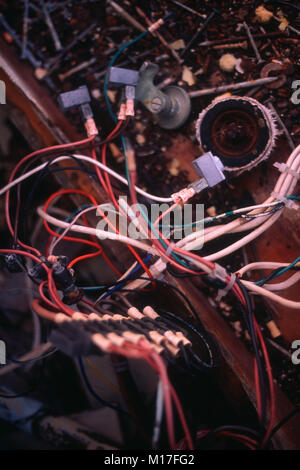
274	69
174	115
239	130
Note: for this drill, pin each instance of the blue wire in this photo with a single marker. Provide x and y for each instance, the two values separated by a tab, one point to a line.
121	284
282	271
93	393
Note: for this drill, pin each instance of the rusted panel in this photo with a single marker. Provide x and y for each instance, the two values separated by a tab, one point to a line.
241	362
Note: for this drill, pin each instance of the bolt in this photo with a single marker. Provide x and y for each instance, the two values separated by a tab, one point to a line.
253	44
200	30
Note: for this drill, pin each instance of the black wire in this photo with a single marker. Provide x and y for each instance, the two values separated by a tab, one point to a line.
273	274
286	4
33	388
27	361
94	394
69	152
174	273
23	221
203	337
200	330
248	317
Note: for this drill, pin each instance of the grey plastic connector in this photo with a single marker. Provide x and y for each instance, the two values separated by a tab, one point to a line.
118	76
210	169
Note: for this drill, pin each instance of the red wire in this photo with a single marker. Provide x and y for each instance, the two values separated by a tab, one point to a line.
271	384
95	244
108	188
44	298
257	390
12	176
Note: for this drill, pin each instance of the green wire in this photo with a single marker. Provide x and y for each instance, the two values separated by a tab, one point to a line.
282	271
125	46
113	116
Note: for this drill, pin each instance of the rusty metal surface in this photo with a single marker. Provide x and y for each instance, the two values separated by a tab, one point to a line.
241	362
45	119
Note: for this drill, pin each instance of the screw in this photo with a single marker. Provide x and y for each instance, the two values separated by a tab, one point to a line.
156	104
235	45
126	16
253	44
185	7
216	42
50	25
233	86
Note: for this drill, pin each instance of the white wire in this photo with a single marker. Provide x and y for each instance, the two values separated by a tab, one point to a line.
284	284
284	186
159	409
31	355
270	295
96	232
87	159
261	265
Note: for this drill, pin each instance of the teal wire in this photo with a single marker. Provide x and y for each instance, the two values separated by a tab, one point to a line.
113	116
111	63
282	271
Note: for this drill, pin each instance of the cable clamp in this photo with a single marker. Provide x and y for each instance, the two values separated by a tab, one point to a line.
222	292
219	273
170	249
287	202
284	168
